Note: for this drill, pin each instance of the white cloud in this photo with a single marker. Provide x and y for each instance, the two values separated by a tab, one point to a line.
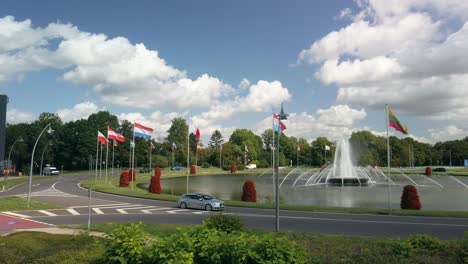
405	53
77	112
15	116
244	84
447	133
335	122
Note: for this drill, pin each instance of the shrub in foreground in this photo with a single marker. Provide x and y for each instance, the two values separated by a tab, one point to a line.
127	244
410	198
249	194
224	222
155	185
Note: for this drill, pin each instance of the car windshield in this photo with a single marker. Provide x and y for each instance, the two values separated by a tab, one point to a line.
206	197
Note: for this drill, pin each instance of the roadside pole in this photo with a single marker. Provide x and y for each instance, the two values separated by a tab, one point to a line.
89	210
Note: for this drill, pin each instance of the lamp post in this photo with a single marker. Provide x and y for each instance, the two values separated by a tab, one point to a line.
42	156
281	116
19	139
32	159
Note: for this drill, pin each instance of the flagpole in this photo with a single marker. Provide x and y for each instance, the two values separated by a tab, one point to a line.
113	145
273	154
172	155
100	164
107	151
220	151
150	150
277	175
188	153
133	156
297	157
245	155
97	156
388	163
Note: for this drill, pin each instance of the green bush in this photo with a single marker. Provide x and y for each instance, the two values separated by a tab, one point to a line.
161	161
224	222
227	167
174	249
206	165
263	163
128	244
240	167
463	248
269	249
426	242
402	248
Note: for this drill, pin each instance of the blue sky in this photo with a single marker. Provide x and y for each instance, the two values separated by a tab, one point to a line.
332	83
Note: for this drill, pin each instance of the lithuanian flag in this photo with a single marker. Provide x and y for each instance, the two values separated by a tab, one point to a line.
393	122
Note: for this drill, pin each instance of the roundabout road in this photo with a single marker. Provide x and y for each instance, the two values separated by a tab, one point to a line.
66	192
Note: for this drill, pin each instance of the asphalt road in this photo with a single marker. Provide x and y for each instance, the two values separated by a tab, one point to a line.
65	191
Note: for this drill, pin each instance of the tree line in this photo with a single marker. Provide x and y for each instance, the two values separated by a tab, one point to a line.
72	146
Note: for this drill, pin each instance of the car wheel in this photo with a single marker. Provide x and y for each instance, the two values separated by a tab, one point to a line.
183	205
208	207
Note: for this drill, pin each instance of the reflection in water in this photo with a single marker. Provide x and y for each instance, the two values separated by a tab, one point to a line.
229	187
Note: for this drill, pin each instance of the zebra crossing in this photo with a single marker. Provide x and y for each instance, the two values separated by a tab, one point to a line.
117	208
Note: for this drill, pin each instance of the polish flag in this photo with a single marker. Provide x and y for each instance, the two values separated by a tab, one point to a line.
102	138
111	134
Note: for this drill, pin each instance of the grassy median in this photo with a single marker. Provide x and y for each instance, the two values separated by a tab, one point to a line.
19	204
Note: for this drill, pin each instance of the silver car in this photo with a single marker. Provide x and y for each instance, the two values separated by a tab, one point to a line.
200	201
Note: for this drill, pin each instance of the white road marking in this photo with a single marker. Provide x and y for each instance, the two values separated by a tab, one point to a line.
176	211
73	212
122	211
46	212
95	205
459	181
97	211
155	209
16	214
201	212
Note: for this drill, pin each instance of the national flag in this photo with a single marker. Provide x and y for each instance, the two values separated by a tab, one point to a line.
277	124
395	123
197	133
116	143
152	147
142	131
245	148
111	134
199	147
298	148
174	147
102	138
327	147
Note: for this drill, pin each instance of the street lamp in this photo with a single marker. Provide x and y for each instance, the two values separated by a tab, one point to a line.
42	157
49	131
19	139
281	116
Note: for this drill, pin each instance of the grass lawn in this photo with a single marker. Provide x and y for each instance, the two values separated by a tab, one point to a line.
32	247
18	203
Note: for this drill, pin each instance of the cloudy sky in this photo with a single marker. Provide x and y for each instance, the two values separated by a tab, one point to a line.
230	64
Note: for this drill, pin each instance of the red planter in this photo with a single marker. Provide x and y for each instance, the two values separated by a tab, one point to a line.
428	171
157	172
193	169
155	185
249	194
410	198
132	175
124	179
233	168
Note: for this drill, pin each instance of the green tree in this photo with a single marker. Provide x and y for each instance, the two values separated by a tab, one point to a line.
216	140
178	133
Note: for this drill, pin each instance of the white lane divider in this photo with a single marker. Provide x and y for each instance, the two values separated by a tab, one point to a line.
176	211
16	214
97	211
122	210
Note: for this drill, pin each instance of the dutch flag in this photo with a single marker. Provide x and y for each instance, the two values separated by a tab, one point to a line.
142	131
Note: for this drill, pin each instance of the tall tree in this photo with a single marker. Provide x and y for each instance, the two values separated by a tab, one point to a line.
216	140
177	134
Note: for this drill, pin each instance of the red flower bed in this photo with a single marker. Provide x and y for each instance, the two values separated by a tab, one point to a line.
249	194
193	169
410	198
233	168
124	178
155	185
132	175
428	171
157	172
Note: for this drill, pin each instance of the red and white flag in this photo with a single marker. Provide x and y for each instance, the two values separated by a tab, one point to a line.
152	147
197	133
111	134
102	138
298	148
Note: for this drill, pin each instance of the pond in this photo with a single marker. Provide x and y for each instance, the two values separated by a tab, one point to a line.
443	192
